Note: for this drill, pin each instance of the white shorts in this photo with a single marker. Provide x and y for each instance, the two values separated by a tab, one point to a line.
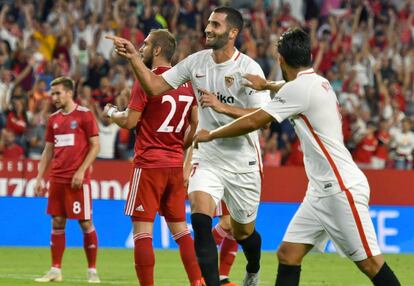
240	191
343	217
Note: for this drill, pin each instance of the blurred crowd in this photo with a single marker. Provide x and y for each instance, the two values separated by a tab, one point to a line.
365	48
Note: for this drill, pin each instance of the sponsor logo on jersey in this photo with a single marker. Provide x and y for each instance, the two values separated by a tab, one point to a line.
328	185
223	98
73	124
229	80
200	75
279	99
63	140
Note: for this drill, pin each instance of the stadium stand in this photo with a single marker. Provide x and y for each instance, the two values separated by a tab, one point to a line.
365	48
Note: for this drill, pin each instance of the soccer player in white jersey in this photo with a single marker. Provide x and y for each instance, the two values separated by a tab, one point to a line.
336	202
229	168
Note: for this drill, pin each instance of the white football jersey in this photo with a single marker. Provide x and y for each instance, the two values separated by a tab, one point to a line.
240	154
312	107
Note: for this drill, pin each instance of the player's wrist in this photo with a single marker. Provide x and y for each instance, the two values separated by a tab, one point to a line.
111	111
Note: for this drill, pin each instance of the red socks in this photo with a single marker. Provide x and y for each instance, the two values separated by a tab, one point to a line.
188	256
90	244
144	258
228	253
228	249
57	246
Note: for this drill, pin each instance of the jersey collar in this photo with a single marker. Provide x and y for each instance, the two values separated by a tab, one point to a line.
308	71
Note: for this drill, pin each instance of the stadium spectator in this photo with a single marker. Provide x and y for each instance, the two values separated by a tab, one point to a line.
158	162
353	41
9	149
402	141
72	142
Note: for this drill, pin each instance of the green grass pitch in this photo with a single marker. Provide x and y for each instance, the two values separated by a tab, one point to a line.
19	266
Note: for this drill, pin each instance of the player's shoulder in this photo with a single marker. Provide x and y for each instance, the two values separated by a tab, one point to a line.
82	108
55	114
247	62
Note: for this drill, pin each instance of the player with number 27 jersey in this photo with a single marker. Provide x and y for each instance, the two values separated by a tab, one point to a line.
164	120
159	152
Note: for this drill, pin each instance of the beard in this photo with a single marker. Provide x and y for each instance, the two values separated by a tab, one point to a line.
148	60
219	41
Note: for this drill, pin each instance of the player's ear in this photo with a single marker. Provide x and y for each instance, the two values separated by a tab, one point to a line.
157	51
233	33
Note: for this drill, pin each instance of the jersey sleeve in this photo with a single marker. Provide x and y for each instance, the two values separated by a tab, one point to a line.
180	73
89	125
138	98
288	101
255	98
49	137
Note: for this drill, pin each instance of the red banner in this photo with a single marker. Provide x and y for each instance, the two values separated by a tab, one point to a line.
110	180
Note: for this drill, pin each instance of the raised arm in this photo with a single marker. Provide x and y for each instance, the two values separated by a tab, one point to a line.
152	84
258	83
126	119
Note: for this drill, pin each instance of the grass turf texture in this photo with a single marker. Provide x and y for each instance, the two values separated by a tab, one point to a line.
19	266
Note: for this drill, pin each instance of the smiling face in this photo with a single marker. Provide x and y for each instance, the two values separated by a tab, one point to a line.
218	32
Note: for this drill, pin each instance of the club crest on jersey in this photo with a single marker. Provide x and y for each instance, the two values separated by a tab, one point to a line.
229	80
55	126
73	124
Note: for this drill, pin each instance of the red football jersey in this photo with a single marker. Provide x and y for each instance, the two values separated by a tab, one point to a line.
160	132
70	135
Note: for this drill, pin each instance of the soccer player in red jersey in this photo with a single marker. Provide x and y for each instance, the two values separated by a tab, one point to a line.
71	145
164	128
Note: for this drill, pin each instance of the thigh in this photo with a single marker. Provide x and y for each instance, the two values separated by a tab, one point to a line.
145	191
347	220
56	200
205	178
78	202
242	195
172	205
305	227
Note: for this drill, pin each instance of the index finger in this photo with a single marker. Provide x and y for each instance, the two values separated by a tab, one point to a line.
203	90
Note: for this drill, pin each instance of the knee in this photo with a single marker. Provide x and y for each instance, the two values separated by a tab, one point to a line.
58	222
86	225
241	233
287	257
371	266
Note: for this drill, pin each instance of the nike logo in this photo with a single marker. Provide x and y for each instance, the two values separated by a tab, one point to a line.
250	214
200	75
351	254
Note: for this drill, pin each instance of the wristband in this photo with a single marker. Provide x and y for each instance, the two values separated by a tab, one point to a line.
111	111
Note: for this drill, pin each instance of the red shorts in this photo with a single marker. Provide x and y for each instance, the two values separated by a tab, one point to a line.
68	202
221	209
153	190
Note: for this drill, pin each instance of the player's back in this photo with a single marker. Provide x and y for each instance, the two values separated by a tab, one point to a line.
319	127
69	133
161	130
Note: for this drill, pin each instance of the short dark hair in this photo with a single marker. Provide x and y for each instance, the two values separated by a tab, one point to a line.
67	82
295	47
234	18
166	40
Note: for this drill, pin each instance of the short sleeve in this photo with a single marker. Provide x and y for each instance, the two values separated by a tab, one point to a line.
289	101
138	98
256	99
49	137
180	73
90	126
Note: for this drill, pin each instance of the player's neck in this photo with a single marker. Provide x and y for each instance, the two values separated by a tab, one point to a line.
160	63
224	54
69	107
292	73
